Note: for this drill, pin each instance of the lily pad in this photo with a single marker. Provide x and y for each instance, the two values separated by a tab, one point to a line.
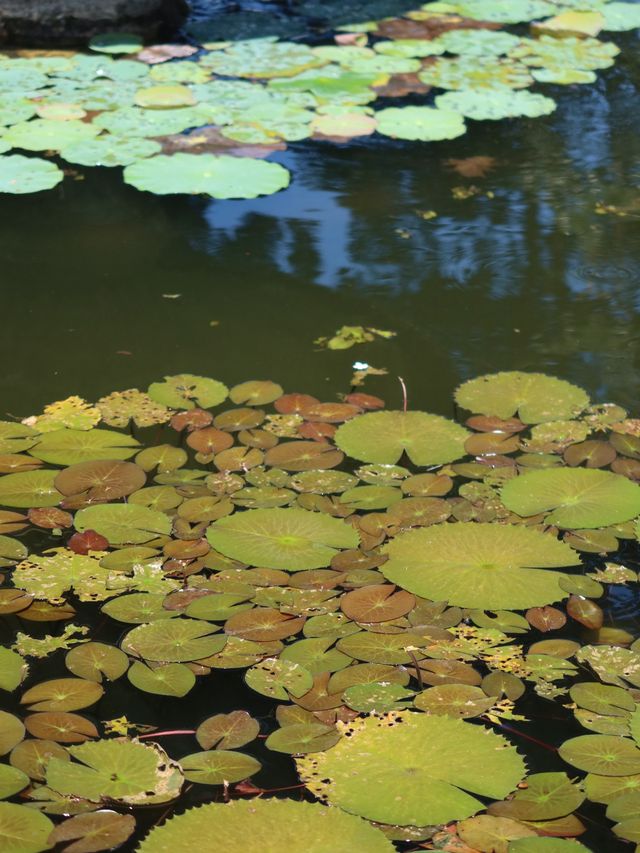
62	694
116	769
575	497
266	826
20	174
492	105
218	767
173	641
605	755
186	391
227	731
432	764
218	176
122	524
172	679
479	565
29	489
109	150
101	480
536	397
385	436
24	830
102	830
289	539
116	43
424	123
69	446
43	134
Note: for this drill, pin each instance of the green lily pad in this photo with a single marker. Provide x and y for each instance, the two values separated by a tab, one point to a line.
138	608
605	755
267	826
619	17
122	524
13	669
475	42
69	446
24	830
116	43
454	700
279	678
62	694
479	73
535	397
165	96
127	771
219	176
480	565
377	698
492	105
300	738
585	54
109	150
103	830
385	436
227	731
11	732
575	497
289	539
424	123
173	641
20	174
134	121
12	781
547	796
14	109
218	767
172	679
505	11
186	391
432	764
29	489
43	134
96	661
49	577
261	58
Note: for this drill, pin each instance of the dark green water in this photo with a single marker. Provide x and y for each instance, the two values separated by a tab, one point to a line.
532	278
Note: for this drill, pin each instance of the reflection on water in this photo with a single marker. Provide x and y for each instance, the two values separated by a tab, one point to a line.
524	274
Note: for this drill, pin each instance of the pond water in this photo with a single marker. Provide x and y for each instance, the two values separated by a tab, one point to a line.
531	278
533	266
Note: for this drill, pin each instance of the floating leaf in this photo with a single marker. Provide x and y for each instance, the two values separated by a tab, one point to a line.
12	781
49	577
186	391
116	43
536	398
424	123
290	539
576	498
218	767
69	446
123	523
20	174
227	731
602	754
60	726
62	694
11	732
300	738
279	678
24	830
29	489
172	679
116	769
454	700
102	830
276	825
13	669
95	661
487	832
385	436
101	480
120	407
496	104
429	762
479	565
218	176
173	641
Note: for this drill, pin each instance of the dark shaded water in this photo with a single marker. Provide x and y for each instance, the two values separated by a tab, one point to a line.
533	278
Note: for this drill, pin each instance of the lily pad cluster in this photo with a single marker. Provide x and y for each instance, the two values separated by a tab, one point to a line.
178	117
397	587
